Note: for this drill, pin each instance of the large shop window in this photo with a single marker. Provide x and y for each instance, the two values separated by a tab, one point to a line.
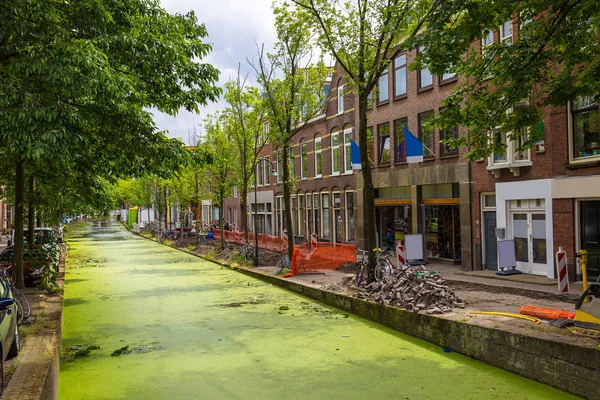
442	227
585	127
393	222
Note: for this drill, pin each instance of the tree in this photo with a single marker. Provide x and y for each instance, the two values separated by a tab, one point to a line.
77	77
294	88
245	118
221	168
554	59
364	36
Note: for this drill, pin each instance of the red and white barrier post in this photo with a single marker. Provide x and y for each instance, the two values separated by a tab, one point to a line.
313	241
401	254
285	238
561	268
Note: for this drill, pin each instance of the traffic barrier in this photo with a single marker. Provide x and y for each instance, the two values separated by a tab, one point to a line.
401	254
313	240
563	274
546	313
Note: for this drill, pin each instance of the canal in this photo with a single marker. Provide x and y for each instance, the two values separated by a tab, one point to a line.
190	329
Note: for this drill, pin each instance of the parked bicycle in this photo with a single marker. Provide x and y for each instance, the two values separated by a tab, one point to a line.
284	263
383	266
248	253
23	306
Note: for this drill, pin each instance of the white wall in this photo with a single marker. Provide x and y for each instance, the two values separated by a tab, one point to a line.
525	190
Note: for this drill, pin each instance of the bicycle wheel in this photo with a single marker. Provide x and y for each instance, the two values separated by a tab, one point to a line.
280	266
22	303
358	278
382	270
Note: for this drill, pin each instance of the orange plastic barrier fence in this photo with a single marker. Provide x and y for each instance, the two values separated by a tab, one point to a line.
326	256
546	313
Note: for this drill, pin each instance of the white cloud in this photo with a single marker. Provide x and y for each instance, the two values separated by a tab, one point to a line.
234	27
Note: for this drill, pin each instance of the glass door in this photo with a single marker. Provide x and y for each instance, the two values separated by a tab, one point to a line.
529	233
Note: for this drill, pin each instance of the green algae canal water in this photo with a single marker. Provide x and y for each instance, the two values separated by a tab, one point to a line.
194	330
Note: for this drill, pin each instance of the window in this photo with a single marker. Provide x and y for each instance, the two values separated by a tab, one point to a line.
446	149
265	134
384	143
350	228
303	160
450	74
262	213
291	163
585	127
260	173
340	99
399	142
347	151
400	75
370	144
486	41
337	217
279	166
425	77
316	203
309	214
294	202
427	133
235	219
506	32
301	215
235	191
279	209
499	144
325	210
383	87
335	153
524	19
318	157
370	100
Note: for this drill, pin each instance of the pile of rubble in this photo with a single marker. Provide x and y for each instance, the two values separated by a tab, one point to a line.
415	289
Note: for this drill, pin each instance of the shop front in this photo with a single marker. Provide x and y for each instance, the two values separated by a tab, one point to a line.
441	222
394	216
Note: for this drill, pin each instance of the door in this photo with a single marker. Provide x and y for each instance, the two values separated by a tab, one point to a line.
590	235
490	242
529	233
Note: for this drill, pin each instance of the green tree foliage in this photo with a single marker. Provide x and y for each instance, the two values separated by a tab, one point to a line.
293	84
76	79
554	58
244	120
365	36
221	169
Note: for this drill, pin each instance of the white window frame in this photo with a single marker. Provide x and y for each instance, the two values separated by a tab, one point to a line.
347	133
484	44
334	237
235	191
265	133
506	38
510	161
302	160
400	69
318	154
333	157
321	197
340	99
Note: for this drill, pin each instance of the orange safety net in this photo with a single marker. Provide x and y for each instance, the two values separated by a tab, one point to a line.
269	242
325	256
546	313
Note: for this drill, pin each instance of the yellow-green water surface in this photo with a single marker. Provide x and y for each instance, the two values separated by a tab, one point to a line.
199	331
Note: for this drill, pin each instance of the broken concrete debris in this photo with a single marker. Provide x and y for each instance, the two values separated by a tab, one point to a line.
415	289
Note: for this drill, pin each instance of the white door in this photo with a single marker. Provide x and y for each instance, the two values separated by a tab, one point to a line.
529	233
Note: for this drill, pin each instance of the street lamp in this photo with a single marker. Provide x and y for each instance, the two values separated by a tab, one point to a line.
273	173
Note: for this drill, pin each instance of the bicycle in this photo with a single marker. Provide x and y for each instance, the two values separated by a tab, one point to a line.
248	253
383	266
23	306
283	263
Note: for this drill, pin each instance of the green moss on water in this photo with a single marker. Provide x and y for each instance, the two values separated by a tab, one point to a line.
195	330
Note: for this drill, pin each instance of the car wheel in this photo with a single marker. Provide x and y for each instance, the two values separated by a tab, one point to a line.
16	344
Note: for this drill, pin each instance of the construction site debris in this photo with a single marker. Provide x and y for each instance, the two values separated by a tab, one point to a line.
415	289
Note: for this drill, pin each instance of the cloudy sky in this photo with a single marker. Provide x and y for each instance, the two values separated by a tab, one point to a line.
233	27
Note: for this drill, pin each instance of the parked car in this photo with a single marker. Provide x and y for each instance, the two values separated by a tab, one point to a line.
35	259
9	331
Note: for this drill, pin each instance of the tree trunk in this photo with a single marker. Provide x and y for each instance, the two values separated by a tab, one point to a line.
221	223
368	190
31	212
19	240
180	221
149	215
287	192
166	206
